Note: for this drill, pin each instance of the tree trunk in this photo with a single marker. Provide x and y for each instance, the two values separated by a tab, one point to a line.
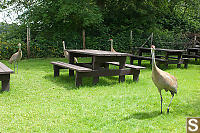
28	42
84	47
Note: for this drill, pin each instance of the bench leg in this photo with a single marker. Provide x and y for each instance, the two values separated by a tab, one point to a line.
131	60
56	71
139	62
78	79
121	78
106	66
5	85
166	65
186	64
136	75
178	65
95	80
71	72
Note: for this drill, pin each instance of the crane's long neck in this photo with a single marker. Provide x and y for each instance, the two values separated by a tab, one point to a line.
153	61
20	48
63	45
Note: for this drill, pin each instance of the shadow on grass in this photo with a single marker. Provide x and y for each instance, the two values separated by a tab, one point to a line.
69	82
143	115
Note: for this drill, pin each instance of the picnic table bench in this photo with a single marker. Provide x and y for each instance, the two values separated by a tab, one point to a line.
98	67
192	53
5	77
168	58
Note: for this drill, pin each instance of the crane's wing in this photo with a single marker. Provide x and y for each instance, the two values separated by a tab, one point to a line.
170	82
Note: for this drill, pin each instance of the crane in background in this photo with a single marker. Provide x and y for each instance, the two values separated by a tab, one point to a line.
16	57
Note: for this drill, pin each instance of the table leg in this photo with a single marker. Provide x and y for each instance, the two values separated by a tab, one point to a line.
179	59
166	58
56	70
78	79
121	66
196	53
71	61
139	60
131	60
136	75
96	66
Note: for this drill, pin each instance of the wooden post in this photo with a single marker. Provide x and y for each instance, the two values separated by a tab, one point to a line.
84	39
28	42
195	40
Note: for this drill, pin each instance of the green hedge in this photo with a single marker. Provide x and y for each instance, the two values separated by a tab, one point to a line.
41	47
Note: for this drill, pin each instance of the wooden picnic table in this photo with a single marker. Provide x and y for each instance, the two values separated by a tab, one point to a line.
195	51
5	77
168	53
102	58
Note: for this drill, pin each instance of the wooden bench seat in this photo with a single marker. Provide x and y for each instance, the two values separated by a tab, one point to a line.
135	69
71	66
87	72
5	77
159	60
191	56
140	58
79	70
135	57
127	65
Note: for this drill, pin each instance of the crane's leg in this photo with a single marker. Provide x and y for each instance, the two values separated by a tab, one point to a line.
161	100
14	67
170	103
17	67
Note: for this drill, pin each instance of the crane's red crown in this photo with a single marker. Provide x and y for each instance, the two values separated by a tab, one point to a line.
152	46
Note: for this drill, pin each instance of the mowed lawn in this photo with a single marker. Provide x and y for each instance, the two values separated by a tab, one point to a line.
38	102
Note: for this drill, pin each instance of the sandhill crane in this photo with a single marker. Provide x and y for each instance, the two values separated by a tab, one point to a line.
111	45
16	57
66	54
163	80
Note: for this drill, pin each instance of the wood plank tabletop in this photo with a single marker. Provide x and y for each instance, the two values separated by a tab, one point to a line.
97	52
4	69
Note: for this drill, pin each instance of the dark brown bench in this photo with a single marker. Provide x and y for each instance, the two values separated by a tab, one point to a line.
140	58
82	70
159	60
135	69
79	70
191	56
5	77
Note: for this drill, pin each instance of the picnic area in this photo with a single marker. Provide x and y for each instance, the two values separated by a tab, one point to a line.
99	66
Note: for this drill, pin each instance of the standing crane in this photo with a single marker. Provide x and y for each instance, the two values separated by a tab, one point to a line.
111	46
163	80
66	54
16	57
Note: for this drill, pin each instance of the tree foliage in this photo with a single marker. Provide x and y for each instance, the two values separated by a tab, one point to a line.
53	21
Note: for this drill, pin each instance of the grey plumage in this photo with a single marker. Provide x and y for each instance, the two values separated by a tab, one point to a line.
66	54
16	57
163	80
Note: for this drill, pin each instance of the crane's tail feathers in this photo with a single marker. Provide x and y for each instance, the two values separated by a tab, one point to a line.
10	61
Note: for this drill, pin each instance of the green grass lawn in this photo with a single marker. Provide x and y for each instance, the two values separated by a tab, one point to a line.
38	102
